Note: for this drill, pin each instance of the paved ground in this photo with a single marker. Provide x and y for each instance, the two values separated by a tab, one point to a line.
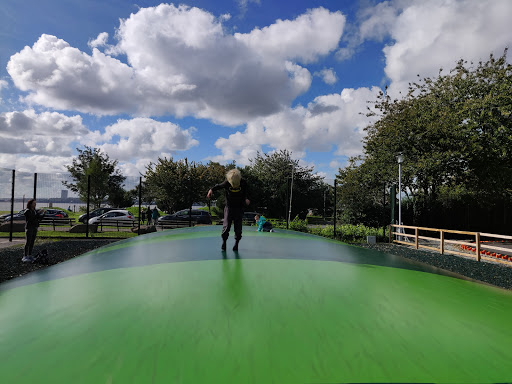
4	242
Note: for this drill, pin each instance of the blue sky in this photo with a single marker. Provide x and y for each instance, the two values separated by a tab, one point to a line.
219	80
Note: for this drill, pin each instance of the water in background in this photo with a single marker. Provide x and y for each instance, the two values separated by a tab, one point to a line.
5	206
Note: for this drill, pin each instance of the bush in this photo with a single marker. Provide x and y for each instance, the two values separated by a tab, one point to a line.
298	225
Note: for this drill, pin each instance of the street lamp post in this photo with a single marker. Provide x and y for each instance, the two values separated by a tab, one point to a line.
400	159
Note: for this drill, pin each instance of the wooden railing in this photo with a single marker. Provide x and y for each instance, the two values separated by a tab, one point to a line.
57	222
478	247
113	223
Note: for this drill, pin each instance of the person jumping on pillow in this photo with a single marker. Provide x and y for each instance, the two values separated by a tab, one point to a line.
236	197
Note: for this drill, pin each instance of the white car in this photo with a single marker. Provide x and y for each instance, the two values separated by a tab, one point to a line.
112	216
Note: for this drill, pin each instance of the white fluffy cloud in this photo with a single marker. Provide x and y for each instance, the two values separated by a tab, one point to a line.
180	61
143	138
330	121
28	132
99	41
328	76
427	36
3	85
34	163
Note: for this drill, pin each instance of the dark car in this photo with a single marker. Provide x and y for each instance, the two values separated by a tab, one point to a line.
97	212
55	213
18	216
200	217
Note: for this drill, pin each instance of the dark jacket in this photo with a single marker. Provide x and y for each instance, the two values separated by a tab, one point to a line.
32	218
235	197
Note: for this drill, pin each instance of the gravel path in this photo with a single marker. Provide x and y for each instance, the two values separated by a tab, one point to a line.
10	257
495	274
491	273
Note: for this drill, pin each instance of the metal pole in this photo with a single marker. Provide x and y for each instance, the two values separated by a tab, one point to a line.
140	202
88	201
35	185
286	206
324	204
335	202
11	225
400	198
291	194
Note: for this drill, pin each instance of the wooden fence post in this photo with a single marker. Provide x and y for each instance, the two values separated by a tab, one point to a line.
442	243
416	237
390	234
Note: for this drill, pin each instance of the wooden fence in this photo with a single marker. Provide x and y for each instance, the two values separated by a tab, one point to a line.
473	242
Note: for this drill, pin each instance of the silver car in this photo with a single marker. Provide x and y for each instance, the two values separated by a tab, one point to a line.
112	216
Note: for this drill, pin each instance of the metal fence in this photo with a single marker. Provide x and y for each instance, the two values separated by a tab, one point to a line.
18	187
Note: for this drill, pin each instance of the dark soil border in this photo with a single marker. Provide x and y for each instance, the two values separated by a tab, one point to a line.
496	274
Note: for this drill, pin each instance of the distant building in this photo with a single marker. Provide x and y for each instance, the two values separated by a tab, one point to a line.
64	194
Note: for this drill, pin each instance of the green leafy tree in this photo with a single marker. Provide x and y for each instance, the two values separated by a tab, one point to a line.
106	179
455	134
270	177
177	184
122	198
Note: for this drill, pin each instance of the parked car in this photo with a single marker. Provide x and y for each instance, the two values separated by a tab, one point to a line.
97	212
115	214
55	213
18	216
200	217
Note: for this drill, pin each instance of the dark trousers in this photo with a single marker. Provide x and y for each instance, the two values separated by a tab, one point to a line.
232	215
30	235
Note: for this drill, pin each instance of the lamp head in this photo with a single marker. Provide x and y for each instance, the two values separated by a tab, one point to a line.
400	158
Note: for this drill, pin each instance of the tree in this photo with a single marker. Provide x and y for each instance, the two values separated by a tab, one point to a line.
122	198
455	132
177	184
105	177
270	182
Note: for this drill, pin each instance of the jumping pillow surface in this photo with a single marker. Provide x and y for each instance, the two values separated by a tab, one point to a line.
170	307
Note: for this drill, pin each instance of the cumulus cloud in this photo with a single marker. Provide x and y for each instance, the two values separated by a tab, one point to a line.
180	61
28	132
329	121
3	85
328	75
100	41
34	163
143	138
427	36
304	39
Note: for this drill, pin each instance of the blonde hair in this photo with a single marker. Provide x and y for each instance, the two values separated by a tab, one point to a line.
234	176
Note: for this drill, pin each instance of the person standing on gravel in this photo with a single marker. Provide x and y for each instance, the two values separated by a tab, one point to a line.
32	219
236	197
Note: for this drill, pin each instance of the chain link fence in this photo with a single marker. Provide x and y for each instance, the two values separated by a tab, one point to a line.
16	188
63	206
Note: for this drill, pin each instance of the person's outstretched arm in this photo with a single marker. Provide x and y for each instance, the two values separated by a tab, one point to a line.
215	188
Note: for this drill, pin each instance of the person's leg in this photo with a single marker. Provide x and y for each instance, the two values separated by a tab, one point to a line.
237	218
226	226
30	235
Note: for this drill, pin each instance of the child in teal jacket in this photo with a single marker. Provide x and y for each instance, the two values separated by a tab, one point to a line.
263	224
